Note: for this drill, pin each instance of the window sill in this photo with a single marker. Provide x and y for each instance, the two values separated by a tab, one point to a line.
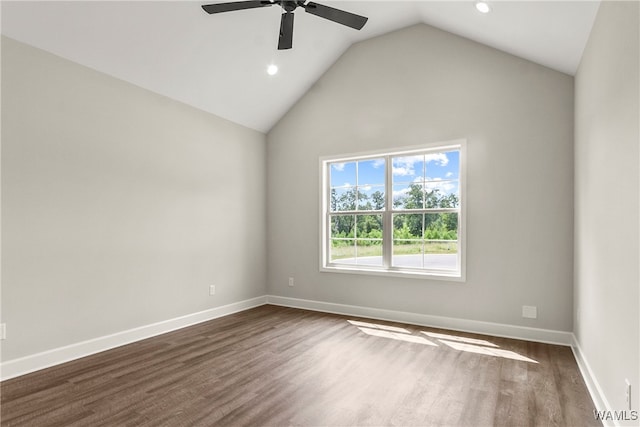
423	275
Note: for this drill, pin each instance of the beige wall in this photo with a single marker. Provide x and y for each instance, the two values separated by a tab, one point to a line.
119	207
421	85
607	255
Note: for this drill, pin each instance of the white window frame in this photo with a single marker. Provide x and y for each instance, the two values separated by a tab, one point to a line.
387	270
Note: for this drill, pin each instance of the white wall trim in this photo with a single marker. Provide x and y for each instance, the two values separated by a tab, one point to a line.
16	367
597	395
56	356
463	325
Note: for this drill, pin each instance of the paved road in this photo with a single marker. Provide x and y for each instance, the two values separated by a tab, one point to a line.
438	261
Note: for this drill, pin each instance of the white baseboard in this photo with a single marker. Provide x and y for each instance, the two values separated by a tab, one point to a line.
464	325
598	397
31	363
46	359
36	362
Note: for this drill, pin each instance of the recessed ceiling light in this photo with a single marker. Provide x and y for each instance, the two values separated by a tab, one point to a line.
272	69
483	7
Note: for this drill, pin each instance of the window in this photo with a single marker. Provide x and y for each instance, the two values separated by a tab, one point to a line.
398	213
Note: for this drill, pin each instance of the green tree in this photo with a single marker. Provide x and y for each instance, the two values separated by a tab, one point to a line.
415	197
347	200
432	199
363	201
334	200
378	200
449	201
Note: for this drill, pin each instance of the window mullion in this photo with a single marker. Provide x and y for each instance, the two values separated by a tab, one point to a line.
387	225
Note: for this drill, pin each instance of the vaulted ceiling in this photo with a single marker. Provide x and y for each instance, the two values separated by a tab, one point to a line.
218	63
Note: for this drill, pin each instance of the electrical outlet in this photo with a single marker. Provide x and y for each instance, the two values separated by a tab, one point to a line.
291	281
212	290
3	331
627	393
530	311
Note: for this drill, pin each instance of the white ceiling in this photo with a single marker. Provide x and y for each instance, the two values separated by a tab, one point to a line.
217	63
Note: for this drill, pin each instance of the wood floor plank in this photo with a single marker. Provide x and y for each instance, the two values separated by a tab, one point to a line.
280	366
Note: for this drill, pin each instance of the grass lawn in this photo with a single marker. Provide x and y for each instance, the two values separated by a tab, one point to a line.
341	251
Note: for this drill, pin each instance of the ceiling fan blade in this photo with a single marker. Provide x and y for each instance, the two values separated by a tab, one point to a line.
286	31
336	15
236	5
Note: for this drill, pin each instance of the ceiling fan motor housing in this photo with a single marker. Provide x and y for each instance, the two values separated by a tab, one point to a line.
290	6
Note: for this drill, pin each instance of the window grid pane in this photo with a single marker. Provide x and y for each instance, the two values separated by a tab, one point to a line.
425	240
357	185
356	239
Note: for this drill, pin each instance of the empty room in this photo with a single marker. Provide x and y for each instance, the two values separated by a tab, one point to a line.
338	213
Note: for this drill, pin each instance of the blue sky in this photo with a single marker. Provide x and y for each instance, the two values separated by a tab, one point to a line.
436	170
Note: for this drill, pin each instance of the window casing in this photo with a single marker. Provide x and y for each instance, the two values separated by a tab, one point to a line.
396	212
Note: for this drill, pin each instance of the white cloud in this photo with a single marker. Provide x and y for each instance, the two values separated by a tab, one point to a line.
438	184
346	186
405	166
400	193
449	174
378	163
338	166
401	171
440	158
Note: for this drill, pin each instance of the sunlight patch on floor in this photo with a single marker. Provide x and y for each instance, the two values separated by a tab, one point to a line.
376	326
397	336
459	339
471	345
490	351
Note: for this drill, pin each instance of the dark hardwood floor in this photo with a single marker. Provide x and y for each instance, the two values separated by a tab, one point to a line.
279	366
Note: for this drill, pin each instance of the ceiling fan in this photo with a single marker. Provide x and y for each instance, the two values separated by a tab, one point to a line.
285	40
